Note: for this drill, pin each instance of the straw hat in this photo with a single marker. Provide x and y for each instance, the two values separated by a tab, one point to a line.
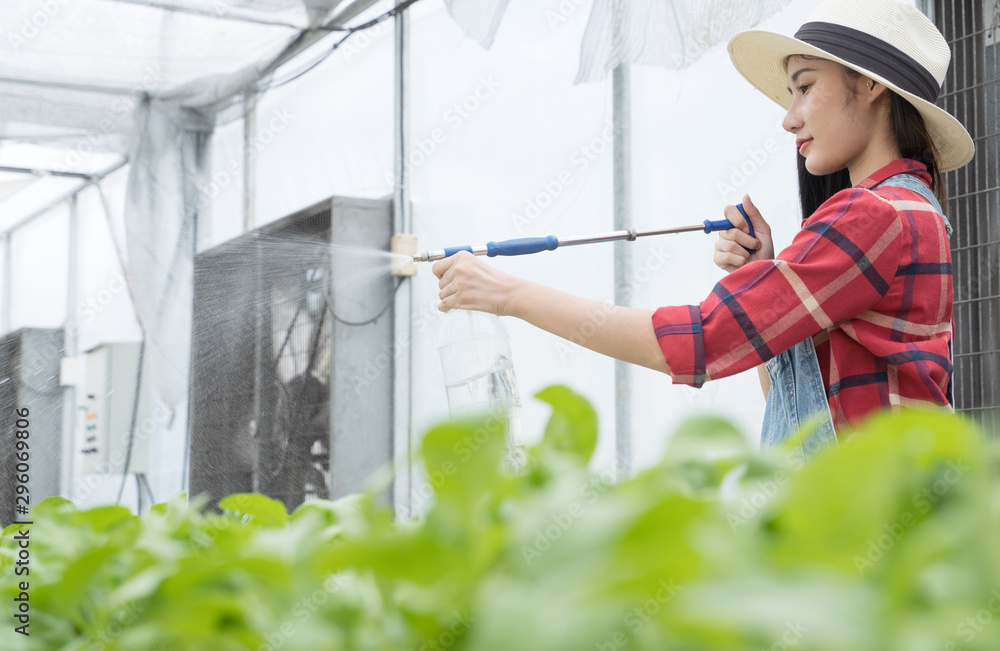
887	40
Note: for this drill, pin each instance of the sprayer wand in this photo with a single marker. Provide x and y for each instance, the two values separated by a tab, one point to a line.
525	245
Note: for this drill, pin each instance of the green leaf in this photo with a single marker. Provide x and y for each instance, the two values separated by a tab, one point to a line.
104	518
702	452
264	511
53	504
851	506
715	548
707	439
174	509
462	457
572	427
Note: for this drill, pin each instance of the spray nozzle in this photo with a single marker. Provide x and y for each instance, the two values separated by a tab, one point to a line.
404	244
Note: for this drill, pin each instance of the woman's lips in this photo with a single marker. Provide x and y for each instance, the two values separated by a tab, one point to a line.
802	144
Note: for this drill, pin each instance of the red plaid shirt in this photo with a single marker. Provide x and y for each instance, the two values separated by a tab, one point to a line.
868	278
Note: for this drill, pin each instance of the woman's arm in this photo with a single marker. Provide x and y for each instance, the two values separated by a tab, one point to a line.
730	255
624	333
621	332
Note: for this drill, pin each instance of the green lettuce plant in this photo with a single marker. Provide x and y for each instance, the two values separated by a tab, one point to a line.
889	543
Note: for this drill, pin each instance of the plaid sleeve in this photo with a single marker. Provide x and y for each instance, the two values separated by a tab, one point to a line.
841	263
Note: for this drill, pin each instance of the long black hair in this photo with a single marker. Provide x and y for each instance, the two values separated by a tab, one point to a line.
911	135
814	189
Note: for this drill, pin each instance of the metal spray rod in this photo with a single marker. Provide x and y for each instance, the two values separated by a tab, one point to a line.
525	245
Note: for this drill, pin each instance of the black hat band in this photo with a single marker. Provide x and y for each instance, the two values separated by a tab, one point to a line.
871	53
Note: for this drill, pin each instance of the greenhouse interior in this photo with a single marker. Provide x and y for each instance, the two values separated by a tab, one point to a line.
233	408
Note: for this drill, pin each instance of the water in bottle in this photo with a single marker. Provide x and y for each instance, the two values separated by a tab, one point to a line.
479	371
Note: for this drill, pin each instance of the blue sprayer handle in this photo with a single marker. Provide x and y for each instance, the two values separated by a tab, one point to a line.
522	246
455	249
725	224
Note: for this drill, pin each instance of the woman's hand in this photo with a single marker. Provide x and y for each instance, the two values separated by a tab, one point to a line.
468	283
729	252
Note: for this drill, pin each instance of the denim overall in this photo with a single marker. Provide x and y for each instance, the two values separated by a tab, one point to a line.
798	396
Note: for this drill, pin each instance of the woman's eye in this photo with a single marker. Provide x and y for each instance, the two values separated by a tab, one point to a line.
802	89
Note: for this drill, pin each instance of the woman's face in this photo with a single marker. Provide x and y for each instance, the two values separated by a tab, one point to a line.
833	130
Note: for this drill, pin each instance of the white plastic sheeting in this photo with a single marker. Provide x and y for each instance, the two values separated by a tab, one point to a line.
667	33
12	184
160	210
82	65
41	303
72	73
479	18
167	49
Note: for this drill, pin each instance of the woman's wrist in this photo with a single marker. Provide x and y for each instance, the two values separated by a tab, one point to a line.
518	294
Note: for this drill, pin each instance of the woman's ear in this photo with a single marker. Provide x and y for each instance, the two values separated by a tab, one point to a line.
872	89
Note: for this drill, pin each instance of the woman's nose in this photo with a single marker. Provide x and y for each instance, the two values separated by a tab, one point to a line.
791	122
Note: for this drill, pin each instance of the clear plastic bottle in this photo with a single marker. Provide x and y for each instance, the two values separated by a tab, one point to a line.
479	370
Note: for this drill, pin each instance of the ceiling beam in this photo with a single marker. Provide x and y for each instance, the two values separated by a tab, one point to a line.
88	180
206	13
41	172
309	38
305	40
65	85
353	10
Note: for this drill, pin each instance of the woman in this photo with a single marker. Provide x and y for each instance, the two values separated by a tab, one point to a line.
855	315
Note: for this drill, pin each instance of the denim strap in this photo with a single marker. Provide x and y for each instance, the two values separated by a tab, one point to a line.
910	182
797	399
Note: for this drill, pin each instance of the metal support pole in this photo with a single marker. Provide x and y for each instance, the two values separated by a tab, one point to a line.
403	326
623	261
70	345
201	223
249	160
202	204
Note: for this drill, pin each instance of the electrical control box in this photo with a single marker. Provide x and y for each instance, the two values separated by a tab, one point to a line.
111	381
